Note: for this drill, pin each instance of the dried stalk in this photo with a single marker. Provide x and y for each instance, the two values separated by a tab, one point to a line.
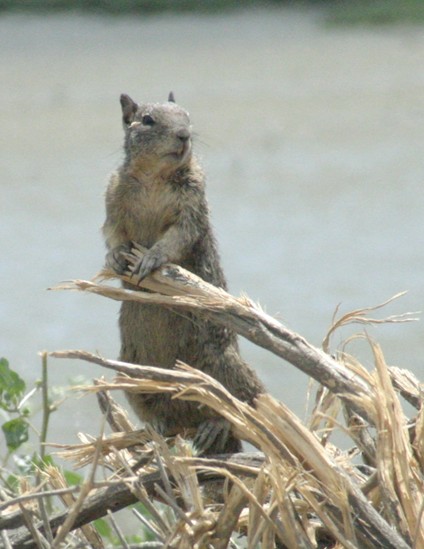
179	289
299	486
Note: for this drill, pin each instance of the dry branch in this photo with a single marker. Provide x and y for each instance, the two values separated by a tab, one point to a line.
299	488
177	288
408	386
278	433
120	495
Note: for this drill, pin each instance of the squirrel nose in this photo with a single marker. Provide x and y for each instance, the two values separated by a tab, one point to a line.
183	135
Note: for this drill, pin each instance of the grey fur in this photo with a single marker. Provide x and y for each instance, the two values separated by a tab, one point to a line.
157	198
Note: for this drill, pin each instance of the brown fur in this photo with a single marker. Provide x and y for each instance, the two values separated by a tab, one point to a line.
157	199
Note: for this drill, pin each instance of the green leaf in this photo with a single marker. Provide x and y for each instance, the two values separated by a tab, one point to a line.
72	478
138	539
16	432
12	386
142	509
103	528
48	460
42	463
13	483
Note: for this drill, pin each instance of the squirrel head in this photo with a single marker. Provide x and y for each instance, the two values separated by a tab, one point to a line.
157	135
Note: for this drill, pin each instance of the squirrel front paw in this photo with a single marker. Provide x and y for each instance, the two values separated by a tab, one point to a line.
150	261
116	260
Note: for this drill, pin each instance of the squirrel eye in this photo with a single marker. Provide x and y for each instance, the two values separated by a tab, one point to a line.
147	120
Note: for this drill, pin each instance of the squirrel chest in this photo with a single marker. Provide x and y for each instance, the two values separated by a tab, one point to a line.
143	211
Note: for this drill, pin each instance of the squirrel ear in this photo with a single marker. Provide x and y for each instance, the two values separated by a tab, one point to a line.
171	97
129	108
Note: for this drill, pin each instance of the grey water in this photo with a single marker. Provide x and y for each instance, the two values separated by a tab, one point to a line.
312	138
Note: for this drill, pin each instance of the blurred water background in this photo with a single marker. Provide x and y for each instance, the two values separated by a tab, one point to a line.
312	137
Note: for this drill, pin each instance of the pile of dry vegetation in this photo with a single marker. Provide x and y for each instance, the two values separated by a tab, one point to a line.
298	491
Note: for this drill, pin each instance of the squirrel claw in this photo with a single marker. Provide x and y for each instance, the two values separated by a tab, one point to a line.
148	263
116	260
212	436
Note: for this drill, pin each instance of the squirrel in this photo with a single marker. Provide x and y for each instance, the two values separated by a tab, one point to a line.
157	199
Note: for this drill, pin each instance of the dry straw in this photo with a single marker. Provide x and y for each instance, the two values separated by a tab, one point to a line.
298	491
